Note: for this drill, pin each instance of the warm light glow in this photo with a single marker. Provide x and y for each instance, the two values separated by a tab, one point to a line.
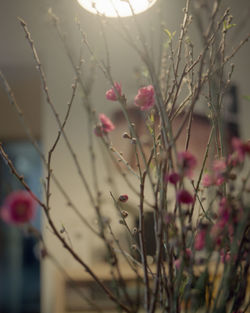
114	8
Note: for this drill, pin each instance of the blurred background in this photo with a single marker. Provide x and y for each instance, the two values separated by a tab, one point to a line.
28	285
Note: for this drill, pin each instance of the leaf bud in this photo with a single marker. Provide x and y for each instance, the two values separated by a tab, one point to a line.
124	213
126	135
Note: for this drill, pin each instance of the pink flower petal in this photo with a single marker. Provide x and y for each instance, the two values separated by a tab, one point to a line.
105	127
219	166
145	98
207	180
111	94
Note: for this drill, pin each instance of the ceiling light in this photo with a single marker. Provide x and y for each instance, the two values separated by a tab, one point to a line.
115	8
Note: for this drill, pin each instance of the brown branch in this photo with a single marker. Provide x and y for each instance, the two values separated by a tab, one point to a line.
28	131
49	170
57	233
49	101
141	233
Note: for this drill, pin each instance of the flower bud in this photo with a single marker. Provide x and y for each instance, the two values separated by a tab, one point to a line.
183	196
123	198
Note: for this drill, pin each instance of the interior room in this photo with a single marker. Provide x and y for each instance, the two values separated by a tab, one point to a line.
60	63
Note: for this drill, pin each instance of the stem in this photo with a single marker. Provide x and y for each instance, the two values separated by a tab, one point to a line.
58	235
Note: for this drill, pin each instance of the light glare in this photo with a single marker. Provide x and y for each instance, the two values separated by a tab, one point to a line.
115	8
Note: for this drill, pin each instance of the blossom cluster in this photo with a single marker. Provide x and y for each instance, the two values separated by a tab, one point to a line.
19	207
230	211
186	163
145	100
222	168
221	233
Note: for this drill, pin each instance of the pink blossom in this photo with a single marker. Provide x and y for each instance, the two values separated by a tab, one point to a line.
111	94
219	166
207	180
225	257
145	98
105	127
188	162
173	178
223	222
183	196
177	263
218	176
219	180
18	208
200	240
241	148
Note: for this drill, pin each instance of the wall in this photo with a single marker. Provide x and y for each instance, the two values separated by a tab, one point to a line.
25	84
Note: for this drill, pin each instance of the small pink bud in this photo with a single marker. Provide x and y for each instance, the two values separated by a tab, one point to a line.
105	127
183	196
173	178
111	94
123	198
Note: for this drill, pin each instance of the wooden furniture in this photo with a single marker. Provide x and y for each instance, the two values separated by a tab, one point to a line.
70	292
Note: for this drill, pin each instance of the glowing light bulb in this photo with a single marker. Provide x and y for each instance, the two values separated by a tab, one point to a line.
115	8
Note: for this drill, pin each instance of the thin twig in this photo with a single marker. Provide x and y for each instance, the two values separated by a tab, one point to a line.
58	235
